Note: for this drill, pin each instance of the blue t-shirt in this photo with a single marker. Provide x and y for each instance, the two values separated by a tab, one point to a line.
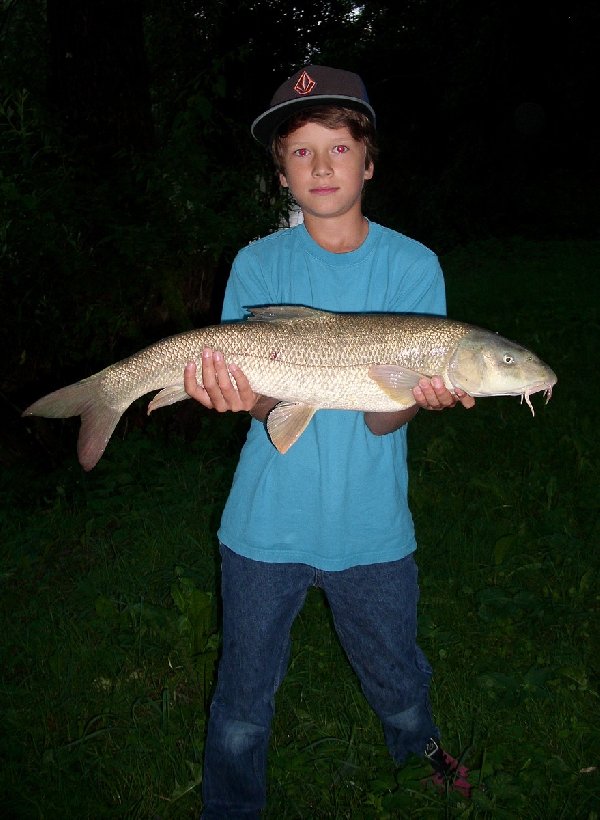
338	497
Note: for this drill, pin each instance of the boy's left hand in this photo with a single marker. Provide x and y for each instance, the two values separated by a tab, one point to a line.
432	394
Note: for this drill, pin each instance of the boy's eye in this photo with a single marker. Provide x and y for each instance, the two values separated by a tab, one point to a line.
340	149
301	152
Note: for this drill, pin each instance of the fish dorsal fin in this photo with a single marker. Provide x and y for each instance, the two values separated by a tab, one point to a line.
396	381
286	422
284	313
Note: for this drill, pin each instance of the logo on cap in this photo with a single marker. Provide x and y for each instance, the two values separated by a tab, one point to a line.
305	84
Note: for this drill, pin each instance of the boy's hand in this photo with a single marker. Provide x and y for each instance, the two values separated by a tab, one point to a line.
218	391
432	394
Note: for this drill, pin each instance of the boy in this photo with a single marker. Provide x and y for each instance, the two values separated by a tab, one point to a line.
332	512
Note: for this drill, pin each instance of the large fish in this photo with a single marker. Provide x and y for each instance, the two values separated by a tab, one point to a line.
310	360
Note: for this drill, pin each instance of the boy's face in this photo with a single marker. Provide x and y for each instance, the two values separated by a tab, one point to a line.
324	169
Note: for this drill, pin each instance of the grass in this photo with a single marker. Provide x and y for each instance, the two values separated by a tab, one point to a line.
109	602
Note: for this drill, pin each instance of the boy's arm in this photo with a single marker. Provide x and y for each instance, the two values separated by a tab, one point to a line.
421	291
430	394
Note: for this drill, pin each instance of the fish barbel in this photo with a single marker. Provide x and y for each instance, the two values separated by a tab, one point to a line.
310	360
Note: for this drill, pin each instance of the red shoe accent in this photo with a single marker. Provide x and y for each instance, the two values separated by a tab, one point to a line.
450	773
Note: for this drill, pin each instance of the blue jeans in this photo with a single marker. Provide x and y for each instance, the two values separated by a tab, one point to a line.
374	611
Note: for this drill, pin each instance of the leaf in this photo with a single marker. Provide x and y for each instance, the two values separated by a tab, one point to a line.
106	608
498	680
502	547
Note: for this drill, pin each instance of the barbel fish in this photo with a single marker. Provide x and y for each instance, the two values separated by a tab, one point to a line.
310	360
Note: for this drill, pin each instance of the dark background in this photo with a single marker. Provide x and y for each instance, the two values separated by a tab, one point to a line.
128	178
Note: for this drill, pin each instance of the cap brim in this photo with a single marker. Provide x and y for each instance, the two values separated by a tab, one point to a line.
264	127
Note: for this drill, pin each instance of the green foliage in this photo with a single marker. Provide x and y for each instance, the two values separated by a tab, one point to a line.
100	254
85	267
109	590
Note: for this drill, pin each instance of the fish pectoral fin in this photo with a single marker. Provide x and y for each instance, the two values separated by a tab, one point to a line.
396	381
168	395
286	422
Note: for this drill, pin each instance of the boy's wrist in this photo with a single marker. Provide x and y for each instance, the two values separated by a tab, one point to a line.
262	407
380	424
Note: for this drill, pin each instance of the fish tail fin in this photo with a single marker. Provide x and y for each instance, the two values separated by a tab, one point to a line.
98	419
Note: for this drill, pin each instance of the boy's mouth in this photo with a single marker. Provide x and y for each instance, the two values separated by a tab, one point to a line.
324	190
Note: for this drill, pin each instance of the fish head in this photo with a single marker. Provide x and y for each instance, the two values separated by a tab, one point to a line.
485	364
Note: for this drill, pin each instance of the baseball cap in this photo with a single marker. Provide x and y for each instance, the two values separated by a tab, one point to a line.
311	86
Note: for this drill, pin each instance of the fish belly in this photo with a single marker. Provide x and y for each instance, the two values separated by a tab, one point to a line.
342	388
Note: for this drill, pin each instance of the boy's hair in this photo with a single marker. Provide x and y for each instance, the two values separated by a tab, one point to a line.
330	116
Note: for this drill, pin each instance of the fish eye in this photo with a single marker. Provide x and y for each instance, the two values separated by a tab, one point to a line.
508	359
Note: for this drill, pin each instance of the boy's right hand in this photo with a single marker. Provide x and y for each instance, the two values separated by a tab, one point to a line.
432	394
218	391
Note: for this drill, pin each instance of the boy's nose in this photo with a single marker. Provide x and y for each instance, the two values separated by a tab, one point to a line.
321	169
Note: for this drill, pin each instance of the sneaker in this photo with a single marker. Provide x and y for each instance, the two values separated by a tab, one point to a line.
449	772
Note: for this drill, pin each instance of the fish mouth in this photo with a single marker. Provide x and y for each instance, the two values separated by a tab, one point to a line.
537	387
545	387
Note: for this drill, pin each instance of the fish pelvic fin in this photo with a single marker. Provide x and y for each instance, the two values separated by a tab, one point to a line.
286	422
98	419
396	382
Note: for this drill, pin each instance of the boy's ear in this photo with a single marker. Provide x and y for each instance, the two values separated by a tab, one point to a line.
369	171
282	180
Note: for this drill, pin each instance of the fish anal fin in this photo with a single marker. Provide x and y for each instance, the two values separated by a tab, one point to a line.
396	381
286	422
168	395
